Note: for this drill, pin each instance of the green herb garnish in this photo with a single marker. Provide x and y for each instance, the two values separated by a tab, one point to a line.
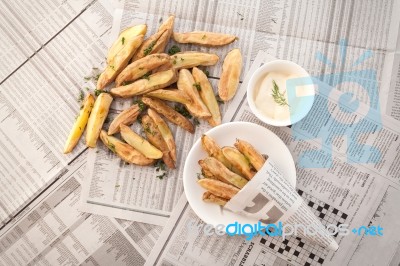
218	98
196	121
149	48
111	147
81	96
141	105
206	72
183	111
98	92
279	97
197	86
147	75
203	37
173	50
160	165
123	40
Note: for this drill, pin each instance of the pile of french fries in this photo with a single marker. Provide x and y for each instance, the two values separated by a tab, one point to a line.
138	68
227	170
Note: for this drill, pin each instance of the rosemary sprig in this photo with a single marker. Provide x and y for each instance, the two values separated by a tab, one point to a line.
279	97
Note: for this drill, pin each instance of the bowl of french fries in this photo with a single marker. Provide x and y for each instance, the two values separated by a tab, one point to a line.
223	161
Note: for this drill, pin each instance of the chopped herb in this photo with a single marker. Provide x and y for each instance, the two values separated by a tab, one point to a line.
206	72
148	130
98	92
160	20
197	86
87	78
199	176
117	185
173	50
174	62
182	59
160	165
81	96
111	147
124	83
96	78
123	40
95	68
141	68
139	119
279	97
203	37
183	111
141	105
87	88
149	48
196	121
162	175
147	75
219	100
112	67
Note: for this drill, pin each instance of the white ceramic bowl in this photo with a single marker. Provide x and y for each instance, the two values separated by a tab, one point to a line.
264	140
303	102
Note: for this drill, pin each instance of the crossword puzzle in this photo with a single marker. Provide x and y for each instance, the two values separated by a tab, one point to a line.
295	248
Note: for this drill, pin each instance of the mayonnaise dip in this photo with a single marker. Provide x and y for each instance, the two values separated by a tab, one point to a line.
264	100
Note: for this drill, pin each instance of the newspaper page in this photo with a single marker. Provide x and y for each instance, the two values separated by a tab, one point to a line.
39	101
346	193
135	193
52	231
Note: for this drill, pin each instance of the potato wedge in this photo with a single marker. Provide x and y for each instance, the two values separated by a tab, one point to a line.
218	188
239	161
97	118
147	46
229	80
216	169
172	95
192	59
187	84
139	143
139	68
154	136
122	39
126	117
204	38
211	198
213	150
167	26
255	158
153	82
80	124
169	113
207	95
165	132
119	62
124	150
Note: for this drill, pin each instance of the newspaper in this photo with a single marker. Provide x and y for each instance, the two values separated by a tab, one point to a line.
52	231
342	194
135	193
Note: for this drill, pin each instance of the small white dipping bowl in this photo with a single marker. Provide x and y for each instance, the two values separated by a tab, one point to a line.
299	105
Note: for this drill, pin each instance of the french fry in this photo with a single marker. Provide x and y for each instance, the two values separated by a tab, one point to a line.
139	143
255	158
119	62
172	95
154	136
169	113
239	161
165	132
157	42
216	169
139	68
218	188
204	38
211	198
187	84
80	124
124	150
229	79
192	59
123	38
156	81
126	117
207	95
162	42
213	150
97	118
